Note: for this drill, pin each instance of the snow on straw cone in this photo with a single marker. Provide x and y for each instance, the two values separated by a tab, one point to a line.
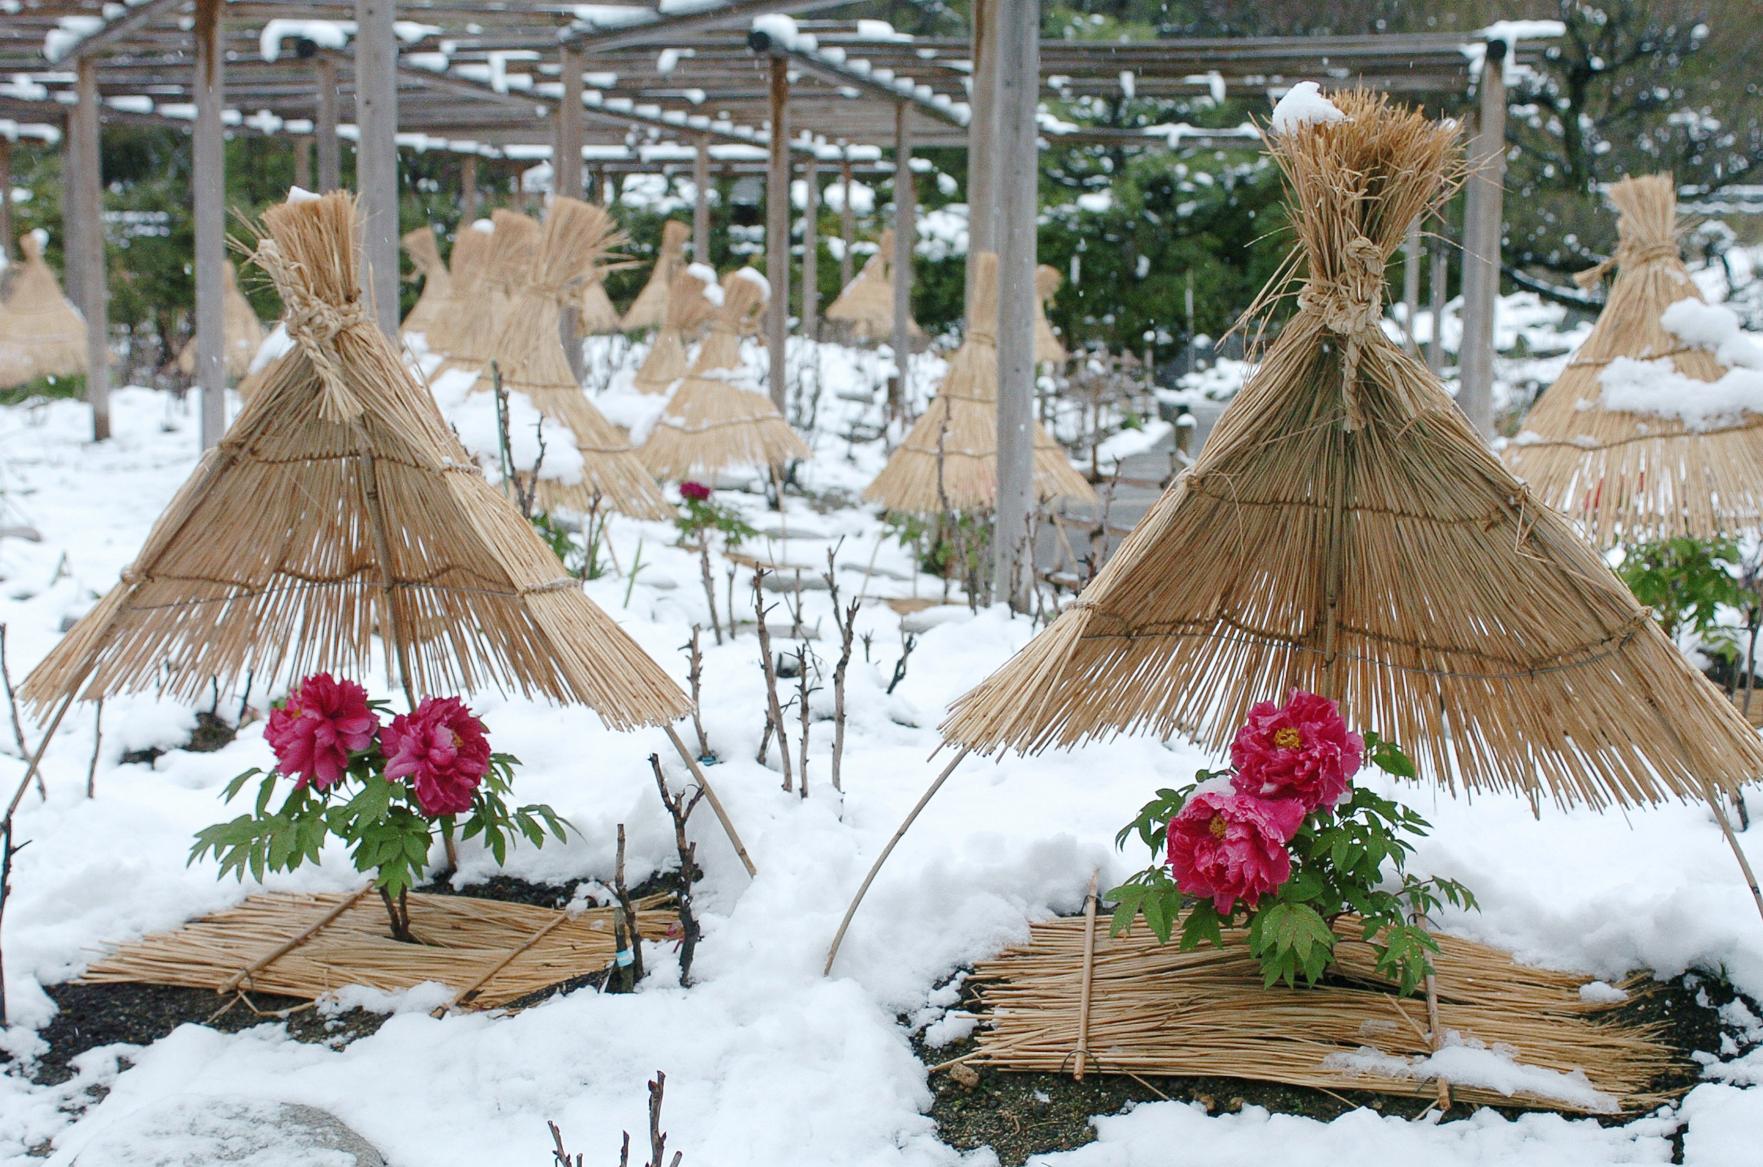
865	307
512	246
425	256
712	422
465	278
649	309
42	330
1048	350
1346	531
242	330
687	310
339	505
1640	476
949	460
531	360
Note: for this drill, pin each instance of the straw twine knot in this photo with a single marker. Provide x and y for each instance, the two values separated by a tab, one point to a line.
1626	256
314	324
1351	306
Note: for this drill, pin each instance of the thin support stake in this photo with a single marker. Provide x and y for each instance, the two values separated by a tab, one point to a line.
293	942
30	771
1738	852
728	825
832	953
1083	999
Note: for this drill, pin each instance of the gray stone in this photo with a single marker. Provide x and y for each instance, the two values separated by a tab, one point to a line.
212	1130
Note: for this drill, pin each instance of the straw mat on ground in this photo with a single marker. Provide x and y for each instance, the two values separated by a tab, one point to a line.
337	506
1155	1010
1048	350
530	358
865	308
42	332
513	246
712	422
296	945
240	326
1346	531
465	279
649	309
687	310
1639	476
425	256
949	460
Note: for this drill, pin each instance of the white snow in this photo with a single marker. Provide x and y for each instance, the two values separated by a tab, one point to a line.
1656	387
1303	105
1468	1062
326	34
1714	327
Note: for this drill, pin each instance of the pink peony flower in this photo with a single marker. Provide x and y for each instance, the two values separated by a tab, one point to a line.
694	491
442	750
1300	750
323	722
1231	846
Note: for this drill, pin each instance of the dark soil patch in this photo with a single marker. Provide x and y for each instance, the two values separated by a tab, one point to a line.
211	733
1023	1114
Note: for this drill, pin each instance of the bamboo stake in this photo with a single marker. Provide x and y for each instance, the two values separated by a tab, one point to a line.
728	825
295	941
1083	1000
30	771
471	990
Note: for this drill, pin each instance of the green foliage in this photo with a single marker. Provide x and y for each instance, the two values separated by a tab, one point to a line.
698	517
1685	582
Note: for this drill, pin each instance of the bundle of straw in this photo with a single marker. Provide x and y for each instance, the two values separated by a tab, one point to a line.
649	309
687	310
949	460
530	358
1345	531
241	328
1637	476
1048	350
865	308
712	422
513	245
465	280
425	257
339	505
594	310
42	331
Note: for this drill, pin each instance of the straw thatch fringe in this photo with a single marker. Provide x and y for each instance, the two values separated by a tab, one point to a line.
1157	1010
41	333
865	308
530	357
242	330
465	279
488	952
1048	350
1638	476
649	309
949	460
425	256
687	311
339	505
513	246
711	423
1346	531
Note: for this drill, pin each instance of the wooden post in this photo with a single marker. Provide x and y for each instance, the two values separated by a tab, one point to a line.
847	223
468	196
1481	244
208	146
303	162
1411	284
811	249
70	210
5	198
905	222
330	159
376	155
777	228
1438	285
566	171
89	214
701	200
981	144
1017	90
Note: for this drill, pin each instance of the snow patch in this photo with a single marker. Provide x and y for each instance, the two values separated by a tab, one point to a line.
1303	105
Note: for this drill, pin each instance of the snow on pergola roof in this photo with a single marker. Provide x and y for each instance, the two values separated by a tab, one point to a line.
482	78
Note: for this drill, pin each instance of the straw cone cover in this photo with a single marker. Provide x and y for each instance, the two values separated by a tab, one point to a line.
1640	476
513	246
1048	350
687	310
240	326
866	305
339	506
1345	531
465	276
949	460
425	257
41	333
649	309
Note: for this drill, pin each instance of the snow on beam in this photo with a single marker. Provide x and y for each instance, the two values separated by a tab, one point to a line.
81	37
777	35
677	18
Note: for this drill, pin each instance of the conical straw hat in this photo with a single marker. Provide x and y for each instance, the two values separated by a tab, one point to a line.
240	326
712	422
530	358
339	505
512	247
1048	350
465	278
949	460
687	310
1345	531
1640	476
43	331
649	309
594	307
866	305
425	256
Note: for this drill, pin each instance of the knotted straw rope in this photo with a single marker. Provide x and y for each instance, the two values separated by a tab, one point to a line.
1625	256
314	324
1349	305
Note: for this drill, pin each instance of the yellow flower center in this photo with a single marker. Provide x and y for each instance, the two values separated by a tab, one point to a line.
1288	738
1217	826
455	737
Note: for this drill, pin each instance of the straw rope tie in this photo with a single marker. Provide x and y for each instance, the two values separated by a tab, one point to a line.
1351	306
313	324
1625	256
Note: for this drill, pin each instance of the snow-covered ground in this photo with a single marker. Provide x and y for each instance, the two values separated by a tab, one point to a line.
767	1061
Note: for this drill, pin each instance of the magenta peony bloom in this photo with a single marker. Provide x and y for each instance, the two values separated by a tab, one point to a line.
323	722
694	491
442	750
1230	846
1300	750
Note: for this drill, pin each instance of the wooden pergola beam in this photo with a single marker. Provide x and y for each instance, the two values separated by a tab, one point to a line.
668	30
